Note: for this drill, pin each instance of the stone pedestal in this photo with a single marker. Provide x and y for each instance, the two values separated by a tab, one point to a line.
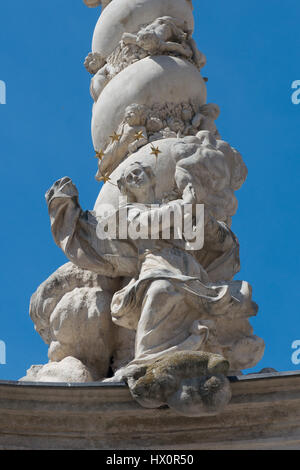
264	413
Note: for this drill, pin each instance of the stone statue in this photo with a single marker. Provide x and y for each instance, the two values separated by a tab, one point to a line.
148	296
163	36
205	119
167	35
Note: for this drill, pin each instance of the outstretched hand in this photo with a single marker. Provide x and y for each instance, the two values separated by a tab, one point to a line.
64	187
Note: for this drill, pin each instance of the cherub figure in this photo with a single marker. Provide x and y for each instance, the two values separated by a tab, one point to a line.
130	136
205	119
94	62
99	82
167	35
97	66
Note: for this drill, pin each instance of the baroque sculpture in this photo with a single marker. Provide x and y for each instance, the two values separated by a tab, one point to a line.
148	296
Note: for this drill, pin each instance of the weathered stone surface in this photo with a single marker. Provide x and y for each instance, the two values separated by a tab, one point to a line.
71	312
68	369
264	413
191	383
152	80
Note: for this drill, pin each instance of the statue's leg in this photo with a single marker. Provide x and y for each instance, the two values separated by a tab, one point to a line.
167	323
168	367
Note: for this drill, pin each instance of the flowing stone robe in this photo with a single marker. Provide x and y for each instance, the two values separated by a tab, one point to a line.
169	292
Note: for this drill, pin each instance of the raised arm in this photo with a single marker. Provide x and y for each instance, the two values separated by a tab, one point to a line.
75	232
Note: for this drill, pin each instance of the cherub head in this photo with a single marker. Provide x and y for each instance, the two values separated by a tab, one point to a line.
137	182
210	110
94	62
135	115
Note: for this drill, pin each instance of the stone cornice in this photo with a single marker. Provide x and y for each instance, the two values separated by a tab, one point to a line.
264	413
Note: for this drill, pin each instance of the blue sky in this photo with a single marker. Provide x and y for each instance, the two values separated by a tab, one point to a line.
252	49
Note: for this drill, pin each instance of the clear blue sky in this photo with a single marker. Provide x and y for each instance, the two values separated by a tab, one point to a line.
252	48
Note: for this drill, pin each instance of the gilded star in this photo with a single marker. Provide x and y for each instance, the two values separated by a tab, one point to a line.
99	154
155	151
139	135
115	137
104	178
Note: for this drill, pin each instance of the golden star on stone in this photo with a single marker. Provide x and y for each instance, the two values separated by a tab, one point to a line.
115	137
139	135
155	151
99	154
104	178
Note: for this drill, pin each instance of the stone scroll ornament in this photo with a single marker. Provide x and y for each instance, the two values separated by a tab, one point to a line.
161	313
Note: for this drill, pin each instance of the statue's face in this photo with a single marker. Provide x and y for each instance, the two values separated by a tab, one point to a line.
136	178
131	117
